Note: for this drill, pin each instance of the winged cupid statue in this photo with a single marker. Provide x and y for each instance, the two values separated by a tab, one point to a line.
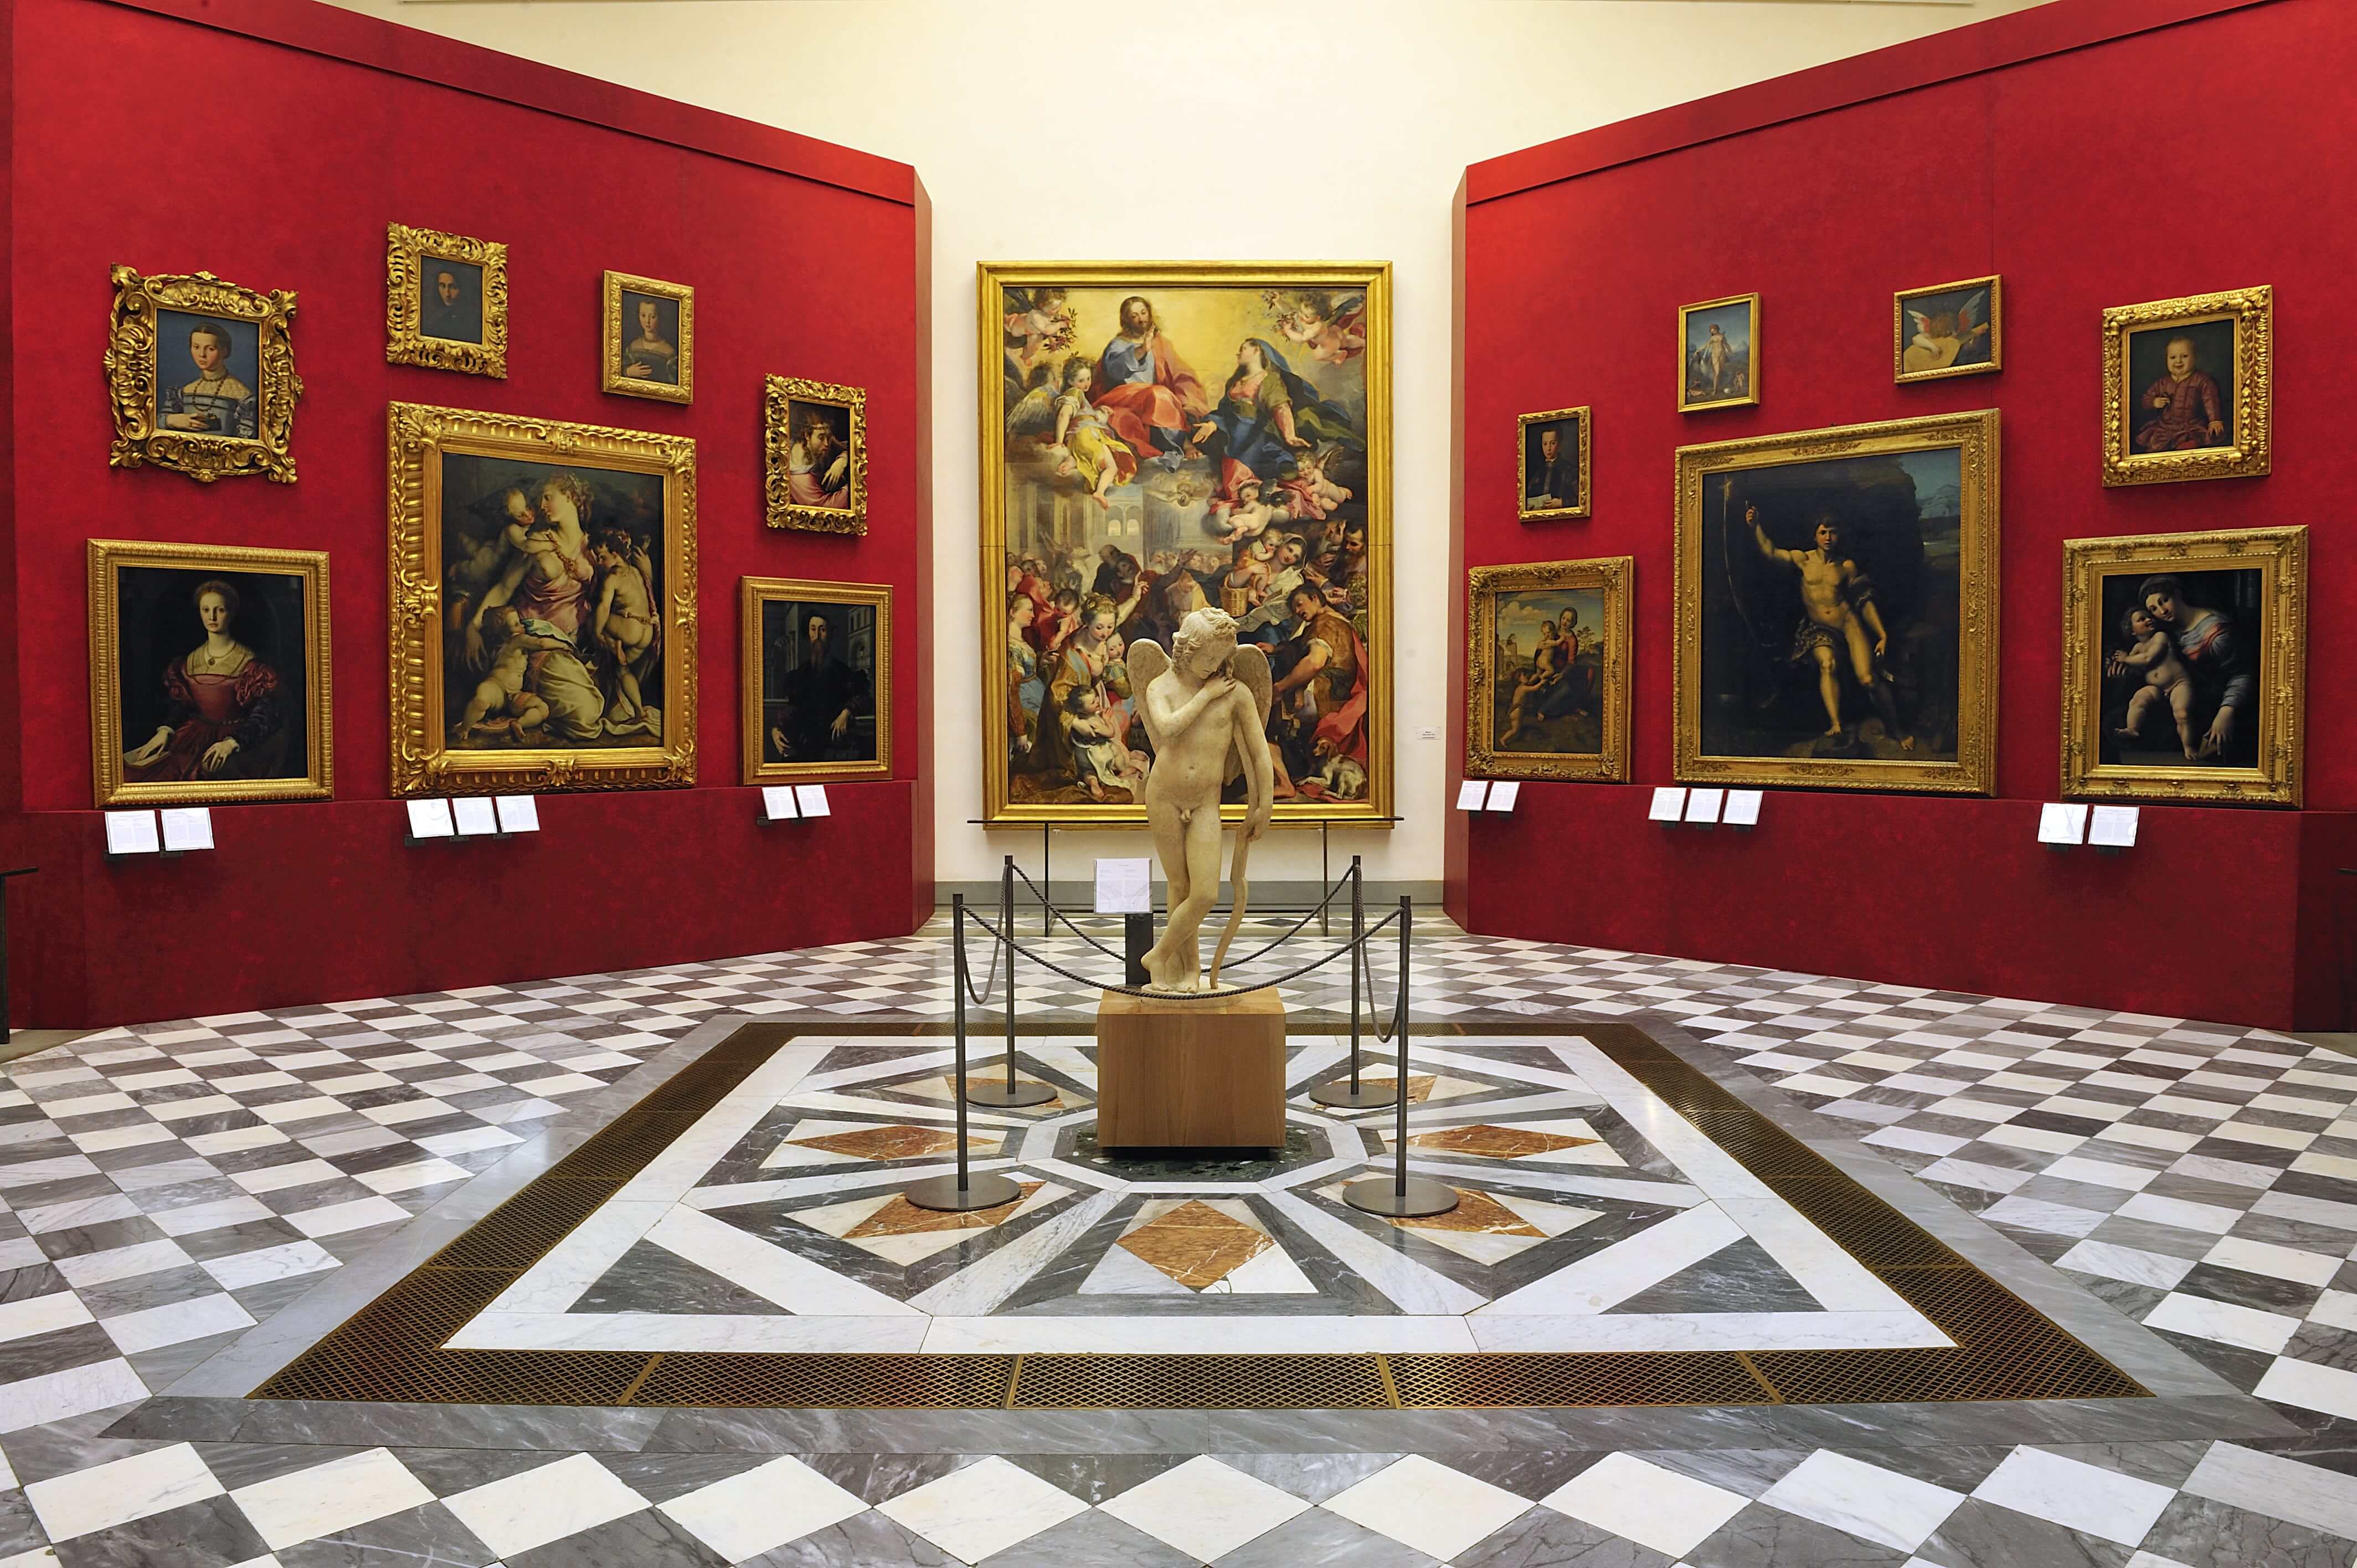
1205	708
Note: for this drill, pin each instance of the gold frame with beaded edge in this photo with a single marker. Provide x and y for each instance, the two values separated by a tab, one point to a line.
2249	402
753	592
1900	337
1974	438
134	377
1687	404
778	395
1259	280
2280	557
612	345
1485	757
405	342
420	440
1522	427
108	559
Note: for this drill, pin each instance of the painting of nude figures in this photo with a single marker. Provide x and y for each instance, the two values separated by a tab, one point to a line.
538	571
1836	607
1163	437
1547	658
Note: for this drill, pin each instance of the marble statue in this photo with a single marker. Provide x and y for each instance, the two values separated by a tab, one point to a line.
1206	709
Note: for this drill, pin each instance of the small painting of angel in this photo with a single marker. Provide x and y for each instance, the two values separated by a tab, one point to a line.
1948	329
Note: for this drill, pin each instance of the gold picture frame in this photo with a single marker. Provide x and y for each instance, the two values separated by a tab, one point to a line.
473	297
796	500
241	426
503	461
2265	570
2233	335
615	342
1528	462
1333	318
1545	584
760	729
1701	376
1753	659
1940	344
147	602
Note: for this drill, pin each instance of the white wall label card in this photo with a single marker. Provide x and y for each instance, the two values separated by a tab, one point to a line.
1669	803
188	827
2061	822
131	832
812	798
2113	827
519	814
430	819
1125	886
777	803
1472	794
1742	809
1504	793
474	814
1703	805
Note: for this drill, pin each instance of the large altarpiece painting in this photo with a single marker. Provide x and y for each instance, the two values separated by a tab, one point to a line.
1157	438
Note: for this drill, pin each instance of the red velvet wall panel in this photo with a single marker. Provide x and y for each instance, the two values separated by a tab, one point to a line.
2166	161
174	146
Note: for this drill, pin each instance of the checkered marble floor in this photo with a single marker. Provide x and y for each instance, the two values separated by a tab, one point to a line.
164	1188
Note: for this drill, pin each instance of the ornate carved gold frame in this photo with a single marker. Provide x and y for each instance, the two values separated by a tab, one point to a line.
2280	554
2253	312
1974	772
1483	757
1750	356
755	591
610	350
1522	509
992	279
108	557
1900	336
404	252
777	445
422	763
131	376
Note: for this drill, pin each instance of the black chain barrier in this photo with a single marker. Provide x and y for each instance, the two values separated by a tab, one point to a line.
1357	945
1055	914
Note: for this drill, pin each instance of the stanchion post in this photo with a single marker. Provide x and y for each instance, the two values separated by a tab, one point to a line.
1010	1094
1348	1093
963	1192
1402	1196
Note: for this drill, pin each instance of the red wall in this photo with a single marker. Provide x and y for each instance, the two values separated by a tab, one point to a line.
2093	152
807	260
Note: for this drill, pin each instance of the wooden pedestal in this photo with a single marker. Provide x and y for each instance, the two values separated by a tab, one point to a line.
1191	1075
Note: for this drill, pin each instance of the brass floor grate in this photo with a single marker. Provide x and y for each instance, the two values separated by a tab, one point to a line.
391	1349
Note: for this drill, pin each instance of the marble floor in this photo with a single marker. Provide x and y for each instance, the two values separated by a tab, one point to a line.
183	1202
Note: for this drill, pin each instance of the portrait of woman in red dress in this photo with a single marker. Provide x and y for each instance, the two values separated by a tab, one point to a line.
225	707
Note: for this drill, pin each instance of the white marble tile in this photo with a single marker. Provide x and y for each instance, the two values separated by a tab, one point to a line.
1650	1505
762	1508
2335	1309
467	1140
2222	1321
1204	1509
1971	1173
1410	1286
2267	1258
414	1176
2049	1218
1428	1507
2310	1385
1915	1140
1864	1500
2040	1140
336	1218
28	1315
2102	1173
77	1391
978	1288
1242	1332
587	1251
1609	1275
539	1506
175	1323
82	1211
2077	1496
219	1215
768	1270
2275	1488
1709	1331
2179	1212
746	1332
122	1262
329	1499
240	1270
82	1502
985	1507
291	1173
2133	1264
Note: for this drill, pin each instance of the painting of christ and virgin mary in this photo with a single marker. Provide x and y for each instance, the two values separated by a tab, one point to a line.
1159	439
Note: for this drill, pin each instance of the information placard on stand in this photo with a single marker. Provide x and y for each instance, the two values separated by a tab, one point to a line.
1125	885
1742	809
476	816
1472	794
812	799
778	804
132	832
1504	793
1703	806
1669	803
430	819
2061	825
518	813
2113	827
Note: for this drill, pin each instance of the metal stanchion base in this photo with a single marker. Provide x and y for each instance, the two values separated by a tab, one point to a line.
997	1092
1381	1195
980	1191
1338	1092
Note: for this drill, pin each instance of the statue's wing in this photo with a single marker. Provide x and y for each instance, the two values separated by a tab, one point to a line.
1249	666
1148	664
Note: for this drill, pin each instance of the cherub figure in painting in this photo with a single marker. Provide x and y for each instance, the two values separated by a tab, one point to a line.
2151	653
1307	492
624	622
2182	410
1837	618
1332	327
1941	336
504	703
1237	510
216	403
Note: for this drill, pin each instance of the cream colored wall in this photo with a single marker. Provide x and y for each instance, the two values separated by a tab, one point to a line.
1232	129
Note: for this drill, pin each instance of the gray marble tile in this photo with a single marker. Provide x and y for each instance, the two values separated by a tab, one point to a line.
200	1534
1095	1479
1545	1538
863	1540
428	1536
2201	1531
1322	1540
1091	1541
1763	1536
642	1539
1982	1535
